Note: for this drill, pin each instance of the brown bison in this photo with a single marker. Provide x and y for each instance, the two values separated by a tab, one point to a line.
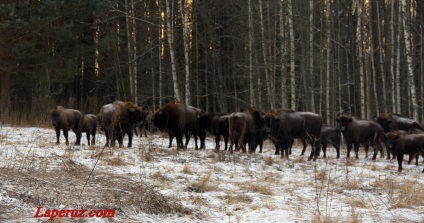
400	144
392	121
120	118
329	135
89	126
66	119
285	125
179	119
356	132
217	125
246	127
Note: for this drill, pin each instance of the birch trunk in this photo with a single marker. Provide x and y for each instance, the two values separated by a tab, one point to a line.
170	37
184	15
411	80
292	62
380	57
327	72
397	78
392	58
130	50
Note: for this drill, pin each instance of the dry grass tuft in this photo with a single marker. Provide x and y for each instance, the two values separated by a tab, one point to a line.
321	174
115	161
148	157
358	203
186	169
235	199
203	185
269	160
408	194
258	187
152	202
349	162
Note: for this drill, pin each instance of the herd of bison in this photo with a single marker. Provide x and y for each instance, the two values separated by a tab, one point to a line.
400	135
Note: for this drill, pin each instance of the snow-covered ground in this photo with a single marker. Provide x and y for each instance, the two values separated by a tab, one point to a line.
152	183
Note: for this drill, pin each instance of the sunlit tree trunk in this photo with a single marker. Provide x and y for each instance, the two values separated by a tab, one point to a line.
170	37
292	61
411	80
184	15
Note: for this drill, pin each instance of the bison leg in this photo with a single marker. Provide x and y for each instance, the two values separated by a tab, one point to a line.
324	149
304	146
349	147
366	150
187	135
93	140
356	148
65	133
171	137
217	139
337	147
179	141
400	160
57	135
130	138
107	138
88	137
225	141
202	137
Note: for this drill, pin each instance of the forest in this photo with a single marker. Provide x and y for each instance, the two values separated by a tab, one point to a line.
357	56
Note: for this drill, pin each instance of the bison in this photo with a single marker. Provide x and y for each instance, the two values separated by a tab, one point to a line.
357	131
393	121
217	125
89	126
179	119
66	119
246	127
399	144
329	135
285	125
120	118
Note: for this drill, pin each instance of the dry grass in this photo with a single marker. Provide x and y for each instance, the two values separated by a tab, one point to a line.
148	157
203	185
408	194
186	169
115	161
269	160
257	187
235	199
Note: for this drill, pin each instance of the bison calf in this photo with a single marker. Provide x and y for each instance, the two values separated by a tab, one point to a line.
89	126
66	119
399	144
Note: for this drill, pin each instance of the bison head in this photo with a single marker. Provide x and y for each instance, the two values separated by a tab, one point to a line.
138	114
344	121
160	119
391	138
272	122
384	119
55	115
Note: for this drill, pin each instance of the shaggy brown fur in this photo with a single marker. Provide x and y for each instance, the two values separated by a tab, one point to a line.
66	119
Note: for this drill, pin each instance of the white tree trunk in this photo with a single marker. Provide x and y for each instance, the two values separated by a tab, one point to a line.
327	72
392	58
130	50
380	56
160	54
411	80
184	15
292	62
170	37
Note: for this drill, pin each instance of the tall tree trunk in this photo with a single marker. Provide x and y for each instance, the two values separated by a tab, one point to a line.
130	50
292	61
250	45
411	80
160	53
327	72
392	57
134	53
311	55
283	52
170	37
184	15
381	61
360	58
265	58
397	78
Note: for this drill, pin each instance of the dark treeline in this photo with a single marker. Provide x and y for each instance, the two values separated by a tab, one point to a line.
362	57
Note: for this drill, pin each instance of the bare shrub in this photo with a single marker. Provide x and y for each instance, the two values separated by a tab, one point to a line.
258	187
115	161
235	199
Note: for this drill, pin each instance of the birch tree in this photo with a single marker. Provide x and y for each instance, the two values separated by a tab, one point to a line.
411	80
170	37
250	52
184	15
311	54
265	59
360	58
